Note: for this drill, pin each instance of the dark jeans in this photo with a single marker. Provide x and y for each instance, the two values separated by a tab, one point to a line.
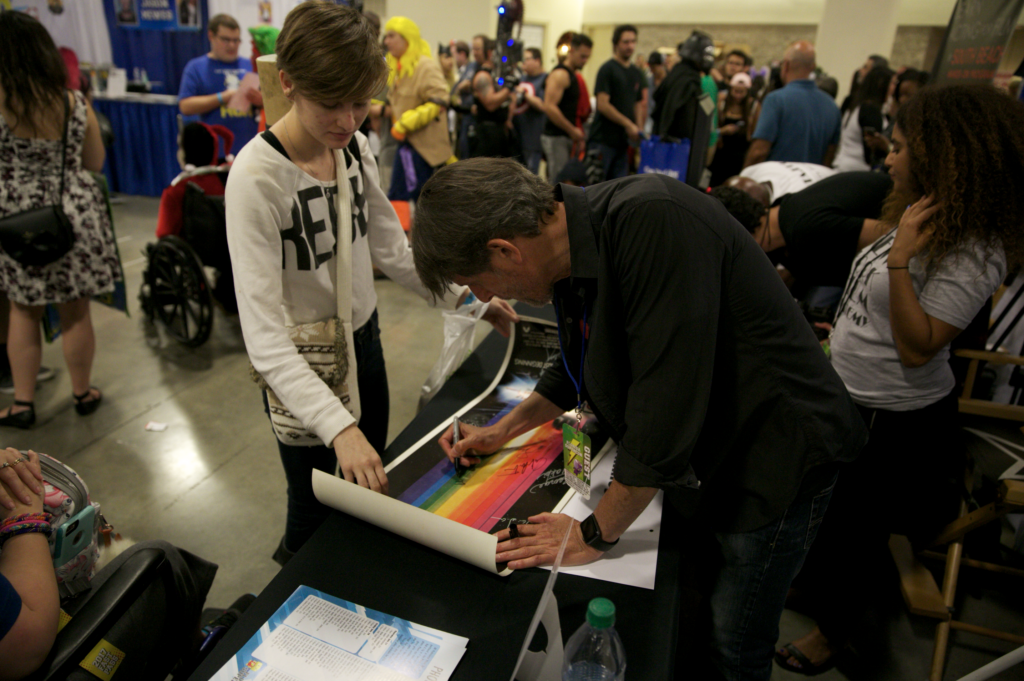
904	482
532	159
305	513
747	577
614	161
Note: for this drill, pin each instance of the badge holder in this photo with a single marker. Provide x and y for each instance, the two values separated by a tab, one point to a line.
576	449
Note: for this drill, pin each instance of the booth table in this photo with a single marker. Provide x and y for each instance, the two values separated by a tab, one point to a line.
359	562
144	157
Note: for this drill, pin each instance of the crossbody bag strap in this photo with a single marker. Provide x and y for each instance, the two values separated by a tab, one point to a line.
344	245
64	147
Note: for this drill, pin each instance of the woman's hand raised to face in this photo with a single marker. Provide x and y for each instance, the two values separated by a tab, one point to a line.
913	232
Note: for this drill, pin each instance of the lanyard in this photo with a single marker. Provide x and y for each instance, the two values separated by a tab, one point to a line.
578	384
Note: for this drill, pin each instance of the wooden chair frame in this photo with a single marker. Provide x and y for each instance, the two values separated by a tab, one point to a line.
922	594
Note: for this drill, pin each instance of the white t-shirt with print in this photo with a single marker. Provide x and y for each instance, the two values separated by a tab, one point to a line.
785	177
282	226
864	353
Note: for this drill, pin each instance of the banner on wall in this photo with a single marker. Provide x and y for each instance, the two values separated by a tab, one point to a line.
159	15
975	40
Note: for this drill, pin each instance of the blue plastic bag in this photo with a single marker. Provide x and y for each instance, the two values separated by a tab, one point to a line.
666	158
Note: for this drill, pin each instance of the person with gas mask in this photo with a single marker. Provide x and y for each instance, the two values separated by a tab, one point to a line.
677	98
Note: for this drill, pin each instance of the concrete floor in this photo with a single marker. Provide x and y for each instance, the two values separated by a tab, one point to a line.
212	483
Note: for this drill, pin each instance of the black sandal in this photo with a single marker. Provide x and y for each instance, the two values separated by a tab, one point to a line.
20	419
83	405
807	668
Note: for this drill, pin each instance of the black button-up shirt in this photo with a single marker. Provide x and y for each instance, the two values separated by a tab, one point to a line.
698	361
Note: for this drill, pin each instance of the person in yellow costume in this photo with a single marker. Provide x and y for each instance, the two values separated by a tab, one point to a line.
418	96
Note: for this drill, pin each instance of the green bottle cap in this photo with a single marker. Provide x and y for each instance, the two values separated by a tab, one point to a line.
601	613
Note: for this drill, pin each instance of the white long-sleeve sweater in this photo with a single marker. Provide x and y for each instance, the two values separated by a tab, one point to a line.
282	227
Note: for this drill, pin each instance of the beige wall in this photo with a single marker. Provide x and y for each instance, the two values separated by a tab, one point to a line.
909	12
445	20
557	17
914	46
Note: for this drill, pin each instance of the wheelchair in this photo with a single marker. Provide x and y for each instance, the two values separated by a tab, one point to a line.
176	288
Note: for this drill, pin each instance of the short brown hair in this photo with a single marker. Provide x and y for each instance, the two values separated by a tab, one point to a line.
465	205
331	53
225	20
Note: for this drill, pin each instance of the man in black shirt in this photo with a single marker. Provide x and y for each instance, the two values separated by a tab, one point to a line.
621	93
693	355
816	232
561	97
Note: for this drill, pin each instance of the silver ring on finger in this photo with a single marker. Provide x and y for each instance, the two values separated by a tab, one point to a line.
5	464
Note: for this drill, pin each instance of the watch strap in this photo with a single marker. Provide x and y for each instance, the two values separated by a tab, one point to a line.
592	534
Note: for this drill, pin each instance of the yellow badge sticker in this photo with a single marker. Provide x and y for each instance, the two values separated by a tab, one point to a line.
103	661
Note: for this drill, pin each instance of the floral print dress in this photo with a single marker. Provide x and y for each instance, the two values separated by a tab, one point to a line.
30	178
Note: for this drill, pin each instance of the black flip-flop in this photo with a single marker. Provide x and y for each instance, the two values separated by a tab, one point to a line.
807	668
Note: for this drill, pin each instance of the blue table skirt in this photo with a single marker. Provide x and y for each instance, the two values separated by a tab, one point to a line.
143	160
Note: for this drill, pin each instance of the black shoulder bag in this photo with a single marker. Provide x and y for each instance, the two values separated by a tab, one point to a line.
40	236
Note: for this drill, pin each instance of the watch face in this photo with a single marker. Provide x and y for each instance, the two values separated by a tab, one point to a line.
591	530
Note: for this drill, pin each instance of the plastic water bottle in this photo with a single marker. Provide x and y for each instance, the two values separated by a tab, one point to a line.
595	652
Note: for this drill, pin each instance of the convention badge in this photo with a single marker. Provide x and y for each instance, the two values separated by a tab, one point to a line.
576	455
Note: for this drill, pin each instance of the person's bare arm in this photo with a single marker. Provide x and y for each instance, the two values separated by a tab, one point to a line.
538	542
830	155
200	104
918	335
640	110
555	87
758	152
93	153
483	88
605	108
869	232
535	410
27	565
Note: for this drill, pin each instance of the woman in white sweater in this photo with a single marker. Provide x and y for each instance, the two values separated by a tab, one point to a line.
282	216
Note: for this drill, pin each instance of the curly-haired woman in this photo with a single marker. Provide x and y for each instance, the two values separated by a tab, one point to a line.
957	165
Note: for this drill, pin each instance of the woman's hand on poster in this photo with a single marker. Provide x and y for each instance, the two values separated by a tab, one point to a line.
501	316
912	235
359	462
538	543
473	443
22	481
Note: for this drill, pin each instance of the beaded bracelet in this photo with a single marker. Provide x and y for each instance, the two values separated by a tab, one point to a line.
25	524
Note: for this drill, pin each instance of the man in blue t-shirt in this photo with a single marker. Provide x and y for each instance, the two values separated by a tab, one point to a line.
799	123
209	82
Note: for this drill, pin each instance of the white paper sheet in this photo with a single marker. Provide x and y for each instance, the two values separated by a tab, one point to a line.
441	534
634	559
314	636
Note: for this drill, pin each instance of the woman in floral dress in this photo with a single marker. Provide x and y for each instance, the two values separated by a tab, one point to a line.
32	115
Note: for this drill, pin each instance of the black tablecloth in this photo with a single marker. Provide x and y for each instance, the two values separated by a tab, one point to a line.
358	562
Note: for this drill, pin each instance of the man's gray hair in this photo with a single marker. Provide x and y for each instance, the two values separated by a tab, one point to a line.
465	205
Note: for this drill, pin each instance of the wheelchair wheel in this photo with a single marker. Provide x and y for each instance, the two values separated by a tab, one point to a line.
178	293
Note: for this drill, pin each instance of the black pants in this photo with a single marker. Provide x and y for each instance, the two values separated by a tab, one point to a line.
906	481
